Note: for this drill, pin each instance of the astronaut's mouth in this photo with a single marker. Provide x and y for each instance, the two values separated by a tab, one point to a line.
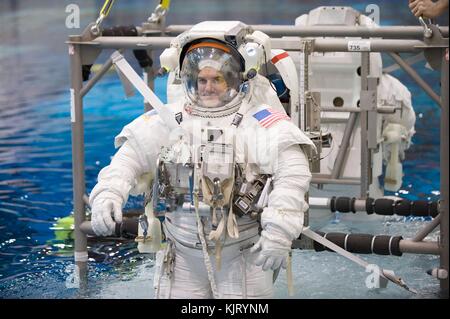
210	100
210	97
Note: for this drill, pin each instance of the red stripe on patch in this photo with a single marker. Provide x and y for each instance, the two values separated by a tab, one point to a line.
279	57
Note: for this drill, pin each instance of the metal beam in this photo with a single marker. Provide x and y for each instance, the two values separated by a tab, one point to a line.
320	45
365	152
410	61
342	45
427	229
416	77
86	200
339	163
333	120
86	228
444	145
105	67
329	180
414	32
128	42
76	112
340	109
149	78
422	247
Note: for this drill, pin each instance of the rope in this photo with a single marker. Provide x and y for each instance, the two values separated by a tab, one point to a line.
201	234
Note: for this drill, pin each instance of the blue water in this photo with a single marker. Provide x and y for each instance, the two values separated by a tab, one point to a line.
35	157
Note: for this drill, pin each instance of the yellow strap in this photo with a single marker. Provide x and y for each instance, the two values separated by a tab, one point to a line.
106	7
215	234
232	227
165	4
218	255
214	216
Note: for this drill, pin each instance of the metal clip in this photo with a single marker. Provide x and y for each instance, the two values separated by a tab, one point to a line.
159	12
143	222
217	192
427	32
95	29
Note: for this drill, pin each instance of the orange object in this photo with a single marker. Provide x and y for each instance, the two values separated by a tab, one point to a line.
210	45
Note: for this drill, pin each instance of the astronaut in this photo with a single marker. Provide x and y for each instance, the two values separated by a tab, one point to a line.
231	185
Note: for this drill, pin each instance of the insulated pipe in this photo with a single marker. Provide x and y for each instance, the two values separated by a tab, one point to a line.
128	228
355	243
379	206
377	244
403	207
363	243
120	31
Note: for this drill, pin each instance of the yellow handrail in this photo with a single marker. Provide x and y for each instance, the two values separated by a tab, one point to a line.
106	7
165	4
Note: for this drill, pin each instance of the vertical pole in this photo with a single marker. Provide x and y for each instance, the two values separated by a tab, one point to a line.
444	227
304	116
149	78
76	115
304	85
365	158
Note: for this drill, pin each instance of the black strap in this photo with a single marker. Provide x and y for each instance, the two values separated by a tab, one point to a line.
179	117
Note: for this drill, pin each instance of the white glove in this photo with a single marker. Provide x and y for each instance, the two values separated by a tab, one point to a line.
102	207
273	248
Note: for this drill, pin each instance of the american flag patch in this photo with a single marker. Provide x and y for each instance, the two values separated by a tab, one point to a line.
268	117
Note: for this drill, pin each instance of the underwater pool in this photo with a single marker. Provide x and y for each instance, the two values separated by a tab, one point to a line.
36	252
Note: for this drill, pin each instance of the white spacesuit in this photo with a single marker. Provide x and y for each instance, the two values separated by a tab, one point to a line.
236	168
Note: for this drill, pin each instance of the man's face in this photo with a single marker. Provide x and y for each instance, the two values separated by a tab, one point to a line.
211	86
